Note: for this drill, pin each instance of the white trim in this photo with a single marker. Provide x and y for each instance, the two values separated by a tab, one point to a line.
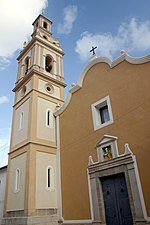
58	170
97	123
76	221
105	141
123	57
140	190
90	196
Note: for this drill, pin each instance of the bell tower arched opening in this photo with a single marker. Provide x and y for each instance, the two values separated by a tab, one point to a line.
26	65
48	64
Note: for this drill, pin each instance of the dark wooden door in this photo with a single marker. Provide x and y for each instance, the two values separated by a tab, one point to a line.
116	201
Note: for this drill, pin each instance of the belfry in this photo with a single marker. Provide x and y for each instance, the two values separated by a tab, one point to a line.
31	191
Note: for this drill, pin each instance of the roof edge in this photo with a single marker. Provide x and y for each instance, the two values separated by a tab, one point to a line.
123	57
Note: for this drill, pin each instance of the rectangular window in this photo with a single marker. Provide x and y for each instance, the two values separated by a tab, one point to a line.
102	113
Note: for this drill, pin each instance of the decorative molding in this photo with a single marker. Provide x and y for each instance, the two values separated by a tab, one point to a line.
128	150
91	162
77	221
115	166
106	139
96	115
123	57
140	190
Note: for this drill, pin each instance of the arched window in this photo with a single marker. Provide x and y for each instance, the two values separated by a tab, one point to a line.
48	64
45	25
21	120
17	180
50	178
26	65
49	118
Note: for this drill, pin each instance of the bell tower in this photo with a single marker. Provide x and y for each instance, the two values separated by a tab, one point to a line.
31	193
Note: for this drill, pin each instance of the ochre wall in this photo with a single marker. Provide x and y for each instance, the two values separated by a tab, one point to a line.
128	88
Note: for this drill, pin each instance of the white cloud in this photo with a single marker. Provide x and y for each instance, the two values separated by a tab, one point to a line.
4	62
134	36
69	17
3	99
16	18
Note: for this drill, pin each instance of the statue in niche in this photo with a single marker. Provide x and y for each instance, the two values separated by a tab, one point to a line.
107	154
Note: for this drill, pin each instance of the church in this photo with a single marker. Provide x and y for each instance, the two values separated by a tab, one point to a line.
84	160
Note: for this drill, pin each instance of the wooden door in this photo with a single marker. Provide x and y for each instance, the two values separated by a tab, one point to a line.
116	201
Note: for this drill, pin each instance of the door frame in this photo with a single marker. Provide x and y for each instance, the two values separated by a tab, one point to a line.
126	164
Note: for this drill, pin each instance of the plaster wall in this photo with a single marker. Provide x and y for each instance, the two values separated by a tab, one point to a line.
45	197
43	131
15	200
19	135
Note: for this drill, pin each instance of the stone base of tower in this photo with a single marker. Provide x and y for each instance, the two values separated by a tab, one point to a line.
42	218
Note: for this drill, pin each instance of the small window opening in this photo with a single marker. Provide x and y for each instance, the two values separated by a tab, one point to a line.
49	118
48	88
48	64
104	114
26	65
49	177
17	180
45	37
45	25
21	120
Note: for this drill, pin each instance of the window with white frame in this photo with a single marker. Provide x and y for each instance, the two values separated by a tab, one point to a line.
21	121
102	113
50	178
49	118
17	180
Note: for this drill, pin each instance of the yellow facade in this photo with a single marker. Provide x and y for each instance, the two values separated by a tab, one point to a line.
126	82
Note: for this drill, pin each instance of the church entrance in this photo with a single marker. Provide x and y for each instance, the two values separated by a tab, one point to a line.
116	201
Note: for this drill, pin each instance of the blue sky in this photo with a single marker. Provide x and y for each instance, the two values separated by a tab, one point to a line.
111	25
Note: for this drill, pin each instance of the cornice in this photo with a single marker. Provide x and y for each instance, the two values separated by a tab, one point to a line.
40	40
124	57
35	72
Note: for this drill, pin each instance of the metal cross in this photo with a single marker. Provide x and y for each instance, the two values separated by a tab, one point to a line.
93	50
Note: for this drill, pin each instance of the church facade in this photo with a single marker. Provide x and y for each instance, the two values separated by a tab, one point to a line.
104	145
85	161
